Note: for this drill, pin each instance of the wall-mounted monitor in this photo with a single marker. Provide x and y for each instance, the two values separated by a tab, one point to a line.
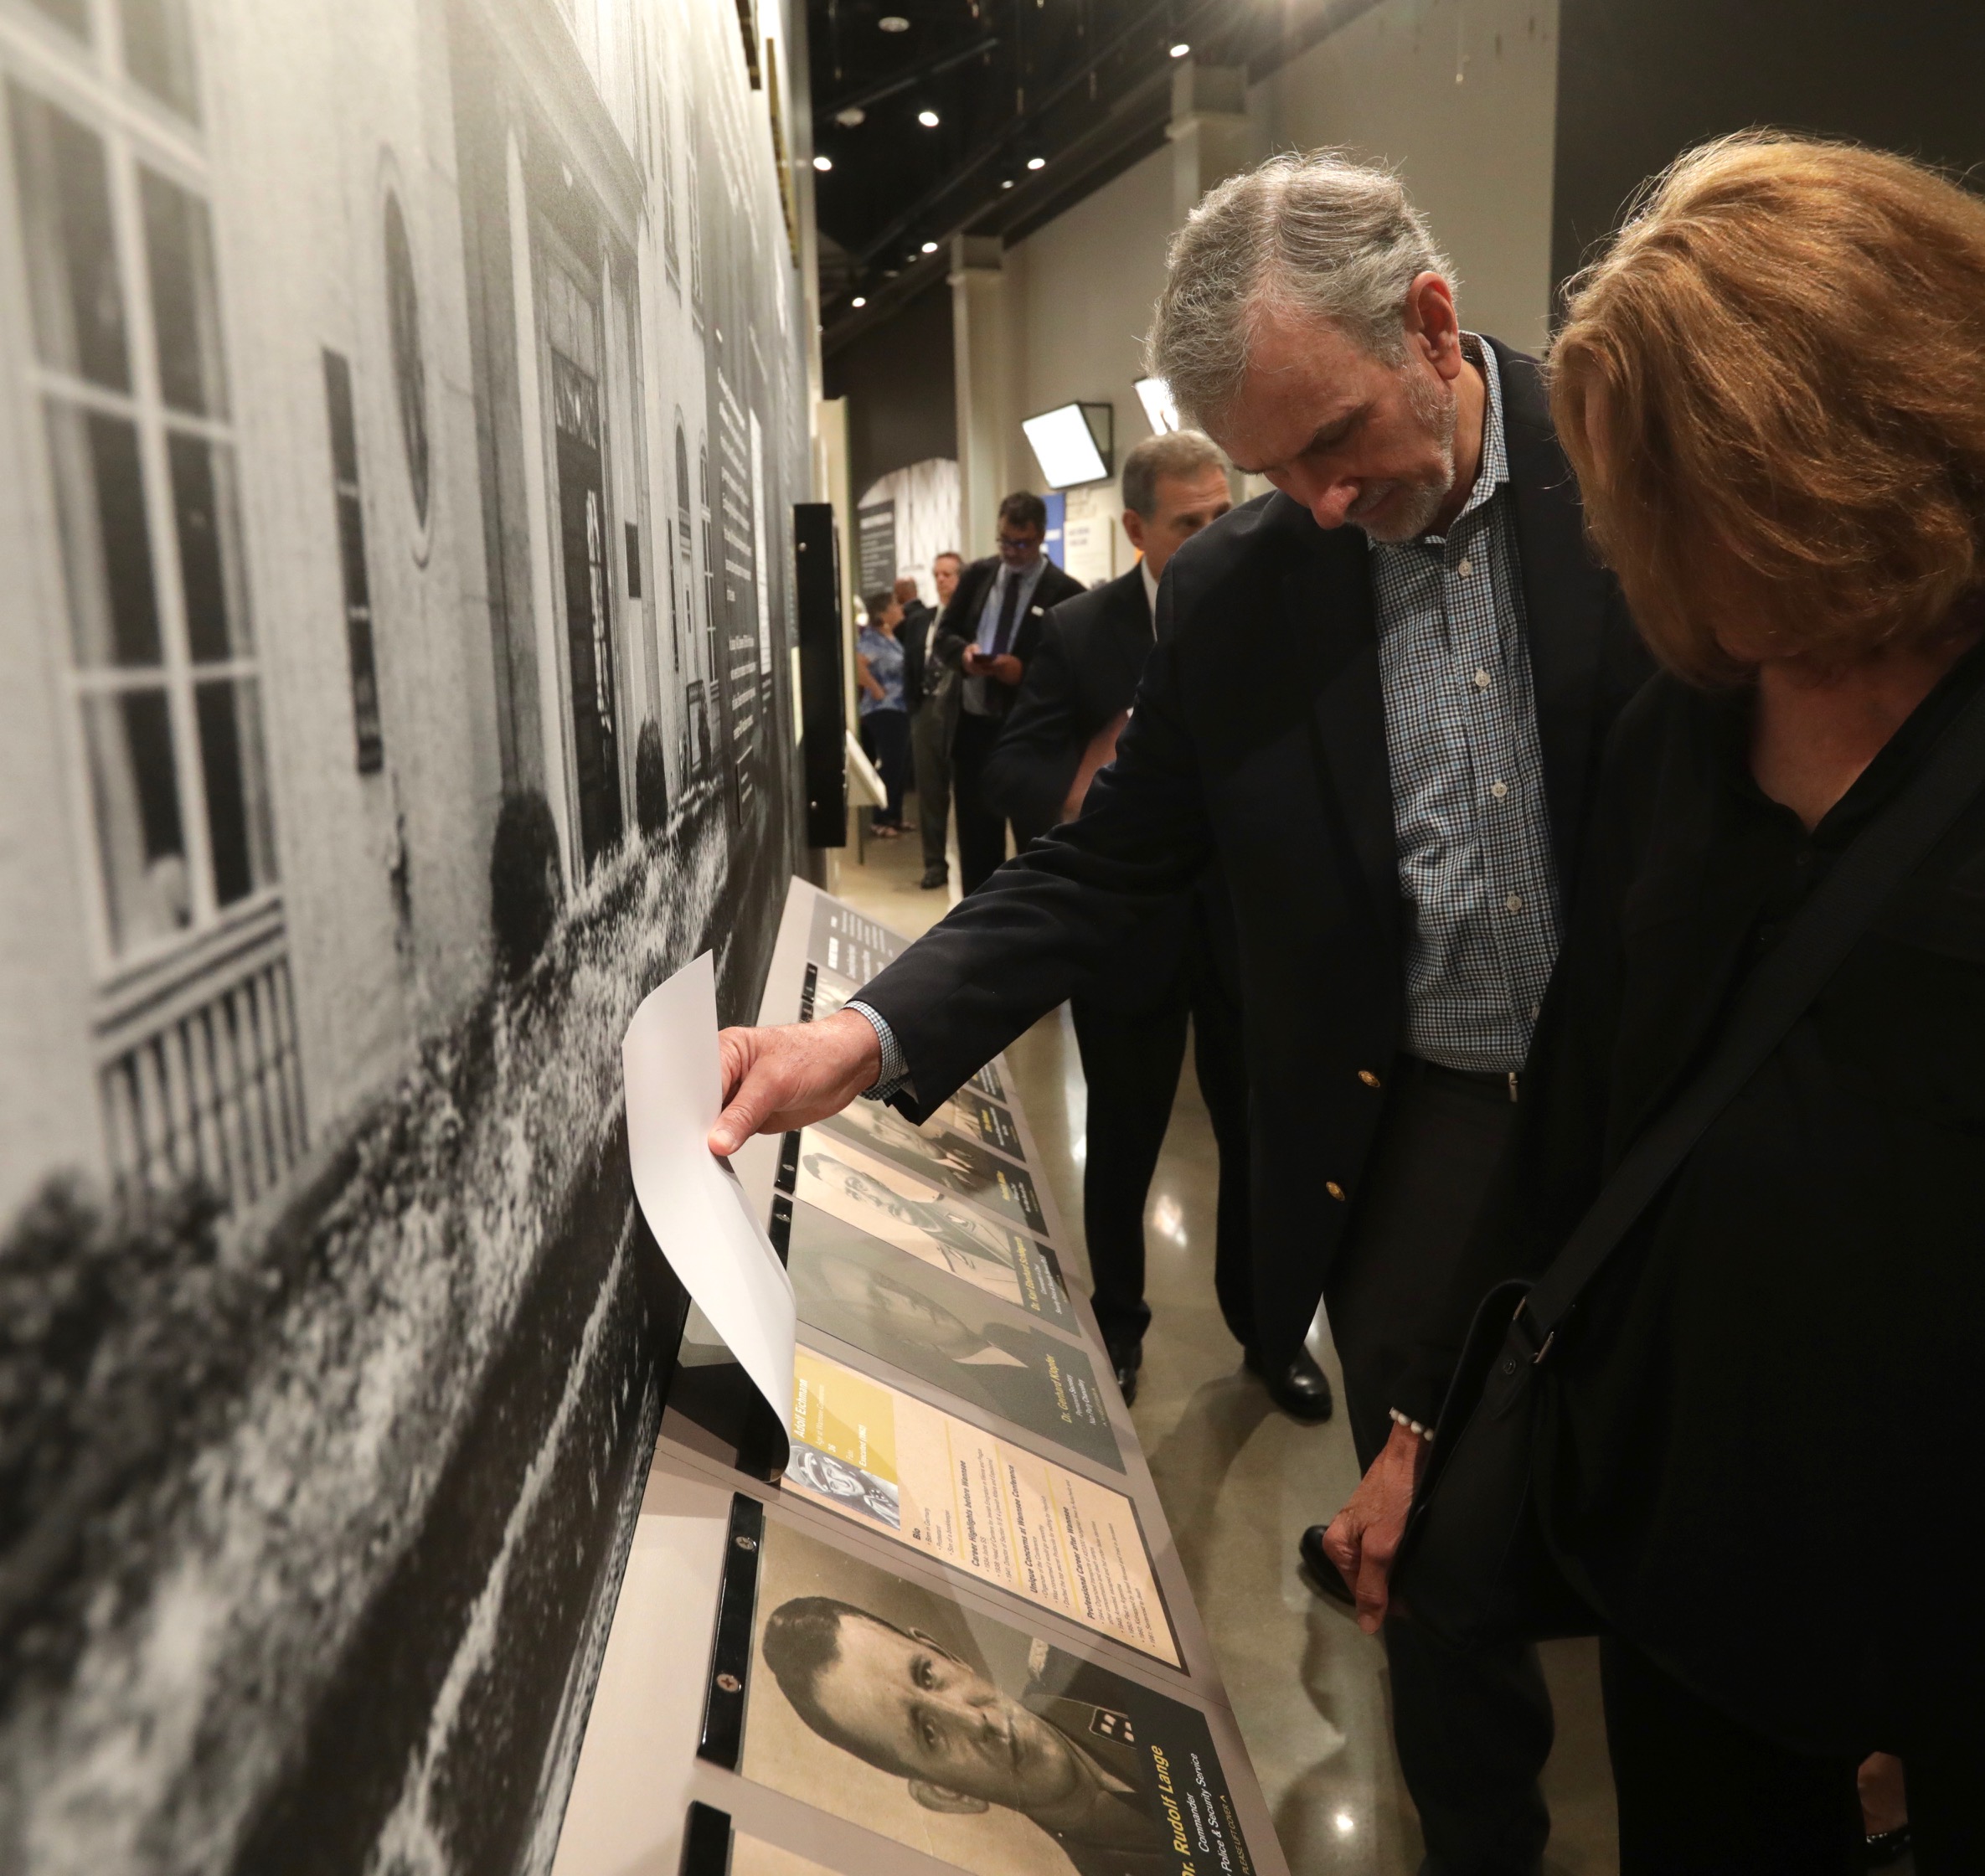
1074	444
1155	394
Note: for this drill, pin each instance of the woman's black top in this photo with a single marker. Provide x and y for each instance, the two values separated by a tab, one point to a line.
1765	1440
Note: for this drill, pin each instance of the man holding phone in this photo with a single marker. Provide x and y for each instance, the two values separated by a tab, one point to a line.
988	631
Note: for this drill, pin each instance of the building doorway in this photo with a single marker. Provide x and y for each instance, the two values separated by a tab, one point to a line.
591	698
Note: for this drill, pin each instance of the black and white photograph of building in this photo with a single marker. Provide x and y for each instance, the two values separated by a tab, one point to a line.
402	403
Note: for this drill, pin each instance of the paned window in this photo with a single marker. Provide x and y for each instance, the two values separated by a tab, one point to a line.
351	547
129	367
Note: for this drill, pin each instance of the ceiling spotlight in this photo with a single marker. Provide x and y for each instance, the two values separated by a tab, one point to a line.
1007	183
1037	162
1180	50
894	23
930	247
928	119
823	164
850	119
858	301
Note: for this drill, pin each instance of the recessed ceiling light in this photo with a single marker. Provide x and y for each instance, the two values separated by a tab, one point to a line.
930	247
823	164
928	119
850	119
858	301
1037	162
1180	50
1007	183
894	23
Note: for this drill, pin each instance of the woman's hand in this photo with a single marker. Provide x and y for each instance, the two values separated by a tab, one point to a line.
1363	1537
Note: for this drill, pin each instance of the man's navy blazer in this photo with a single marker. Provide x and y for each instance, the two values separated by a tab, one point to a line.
1258	741
1084	669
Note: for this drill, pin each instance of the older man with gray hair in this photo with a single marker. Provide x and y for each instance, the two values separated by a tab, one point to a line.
1377	701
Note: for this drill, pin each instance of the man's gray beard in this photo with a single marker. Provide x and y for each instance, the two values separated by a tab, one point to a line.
1417	507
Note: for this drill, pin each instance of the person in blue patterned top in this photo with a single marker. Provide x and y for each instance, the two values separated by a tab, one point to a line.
885	717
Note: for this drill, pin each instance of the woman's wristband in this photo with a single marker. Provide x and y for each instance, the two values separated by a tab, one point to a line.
1412	1425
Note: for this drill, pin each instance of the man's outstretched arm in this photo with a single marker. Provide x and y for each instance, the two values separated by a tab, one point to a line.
1043	925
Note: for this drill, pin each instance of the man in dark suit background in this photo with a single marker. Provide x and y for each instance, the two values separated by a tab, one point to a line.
1131	1027
987	634
1386	733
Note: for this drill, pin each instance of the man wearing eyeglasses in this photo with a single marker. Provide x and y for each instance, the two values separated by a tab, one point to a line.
988	631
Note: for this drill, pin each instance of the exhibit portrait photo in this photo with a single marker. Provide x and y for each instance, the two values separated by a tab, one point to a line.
947	1332
961	1166
892	1704
402	405
983	1504
915	1216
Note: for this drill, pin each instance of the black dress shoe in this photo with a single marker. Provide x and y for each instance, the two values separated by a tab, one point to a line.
936	876
1301	1390
1125	1358
1322	1575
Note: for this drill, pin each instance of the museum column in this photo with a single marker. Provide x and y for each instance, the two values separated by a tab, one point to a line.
979	349
1209	132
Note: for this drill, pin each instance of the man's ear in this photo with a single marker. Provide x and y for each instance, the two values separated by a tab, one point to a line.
1133	528
942	1797
1432	320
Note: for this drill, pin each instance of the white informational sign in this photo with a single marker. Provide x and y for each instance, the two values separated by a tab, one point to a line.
1089	533
692	1199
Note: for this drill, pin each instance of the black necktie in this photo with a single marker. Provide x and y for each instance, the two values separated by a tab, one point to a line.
1010	605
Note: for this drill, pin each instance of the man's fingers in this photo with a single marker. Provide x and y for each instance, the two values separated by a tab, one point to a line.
737	1123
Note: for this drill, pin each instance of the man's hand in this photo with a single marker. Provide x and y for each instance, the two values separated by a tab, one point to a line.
1363	1537
1005	667
777	1079
1101	753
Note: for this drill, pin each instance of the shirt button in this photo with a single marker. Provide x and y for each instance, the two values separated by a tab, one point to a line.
1482	680
1514	903
1333	1188
1498	789
1466	567
1367	1078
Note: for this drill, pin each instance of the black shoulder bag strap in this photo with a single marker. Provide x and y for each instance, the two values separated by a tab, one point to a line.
1470	1562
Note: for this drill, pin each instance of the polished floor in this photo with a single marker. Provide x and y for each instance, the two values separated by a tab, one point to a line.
1240	1482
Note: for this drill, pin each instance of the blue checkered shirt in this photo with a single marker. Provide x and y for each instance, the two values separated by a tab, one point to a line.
1470	827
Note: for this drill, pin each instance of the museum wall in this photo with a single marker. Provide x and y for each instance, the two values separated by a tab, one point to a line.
1635	87
401	406
1459	95
897	375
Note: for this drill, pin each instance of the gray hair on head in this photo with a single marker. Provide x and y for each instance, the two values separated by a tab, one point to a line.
1307	232
1177	452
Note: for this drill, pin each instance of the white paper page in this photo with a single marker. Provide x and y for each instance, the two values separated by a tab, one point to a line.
691	1199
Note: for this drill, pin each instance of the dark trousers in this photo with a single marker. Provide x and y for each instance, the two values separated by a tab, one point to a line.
931	727
1131	1060
1701	1793
885	738
982	828
1472	1727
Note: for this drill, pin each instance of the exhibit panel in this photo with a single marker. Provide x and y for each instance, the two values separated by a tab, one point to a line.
940	1621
